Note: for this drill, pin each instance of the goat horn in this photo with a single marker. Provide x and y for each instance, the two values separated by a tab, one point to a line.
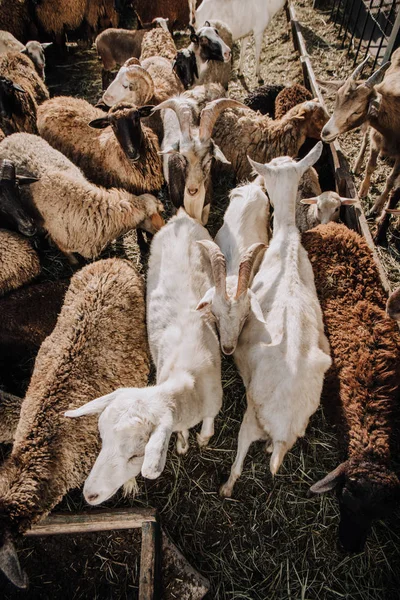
358	70
141	73
377	76
211	112
183	112
7	170
218	265
245	268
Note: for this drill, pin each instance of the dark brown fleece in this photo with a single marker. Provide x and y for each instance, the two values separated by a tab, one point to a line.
98	345
290	97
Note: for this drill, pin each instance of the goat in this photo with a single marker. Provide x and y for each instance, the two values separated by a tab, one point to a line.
235	257
190	157
208	58
239	131
283	360
243	18
357	104
34	50
136	424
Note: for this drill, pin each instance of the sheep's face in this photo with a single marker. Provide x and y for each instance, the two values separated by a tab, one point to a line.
9	102
211	45
185	67
11	208
316	117
35	51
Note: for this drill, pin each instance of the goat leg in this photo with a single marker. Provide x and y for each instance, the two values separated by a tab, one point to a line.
182	441
380	237
243	48
380	202
258	38
360	157
371	166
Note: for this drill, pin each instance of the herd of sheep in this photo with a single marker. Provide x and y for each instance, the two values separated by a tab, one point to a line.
293	295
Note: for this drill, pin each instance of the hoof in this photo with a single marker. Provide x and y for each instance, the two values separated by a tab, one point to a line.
181	448
202	442
225	491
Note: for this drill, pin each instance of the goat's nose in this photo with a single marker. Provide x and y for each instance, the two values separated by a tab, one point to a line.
193	191
228	350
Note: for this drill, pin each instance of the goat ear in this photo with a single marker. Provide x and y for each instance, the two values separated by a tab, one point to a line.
93	407
260	168
101	123
155	453
206	299
46	45
348	201
219	155
255	307
311	158
145	111
330	86
331	480
309	200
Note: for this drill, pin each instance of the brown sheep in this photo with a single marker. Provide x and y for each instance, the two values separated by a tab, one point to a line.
365	348
56	18
177	11
242	132
393	305
100	14
10	408
22	102
99	344
116	46
158	42
262	98
19	263
124	155
289	97
14	17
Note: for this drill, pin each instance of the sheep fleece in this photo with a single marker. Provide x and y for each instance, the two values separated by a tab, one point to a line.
19	263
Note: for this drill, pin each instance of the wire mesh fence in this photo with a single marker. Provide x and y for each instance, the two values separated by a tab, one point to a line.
367	27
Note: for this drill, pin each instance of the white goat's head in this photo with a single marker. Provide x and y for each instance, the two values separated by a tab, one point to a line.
327	205
132	84
230	300
352	101
197	149
131	442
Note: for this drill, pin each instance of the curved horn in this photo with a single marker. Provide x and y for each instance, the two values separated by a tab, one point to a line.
7	170
132	61
377	76
218	265
183	112
211	112
245	268
141	73
358	70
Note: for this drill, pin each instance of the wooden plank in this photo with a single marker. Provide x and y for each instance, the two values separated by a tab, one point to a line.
354	216
127	518
149	561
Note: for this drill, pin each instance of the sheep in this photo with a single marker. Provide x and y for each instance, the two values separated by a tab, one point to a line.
240	132
21	91
262	99
235	257
357	104
283	360
393	305
125	155
208	58
149	82
19	263
116	46
243	18
365	348
78	215
98	344
158	42
12	212
33	49
15	17
10	408
100	14
191	157
178	12
314	206
184	348
289	97
55	20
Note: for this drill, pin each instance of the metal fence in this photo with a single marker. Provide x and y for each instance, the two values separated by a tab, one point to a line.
367	27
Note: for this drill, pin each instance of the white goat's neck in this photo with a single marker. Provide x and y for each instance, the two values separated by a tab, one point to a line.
284	202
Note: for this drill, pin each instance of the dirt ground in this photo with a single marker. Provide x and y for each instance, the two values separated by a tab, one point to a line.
271	540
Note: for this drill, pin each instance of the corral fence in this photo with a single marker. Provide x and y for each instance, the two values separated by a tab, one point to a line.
366	27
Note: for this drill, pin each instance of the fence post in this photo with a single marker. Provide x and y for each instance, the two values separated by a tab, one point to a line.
392	38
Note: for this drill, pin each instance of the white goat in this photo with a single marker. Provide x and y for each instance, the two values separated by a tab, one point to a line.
283	361
234	259
136	424
242	18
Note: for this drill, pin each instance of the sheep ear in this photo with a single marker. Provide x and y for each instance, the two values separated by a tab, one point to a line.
309	200
330	86
255	307
26	179
101	123
311	158
331	480
219	155
23	51
206	299
348	201
9	563
46	45
145	111
91	408
155	453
